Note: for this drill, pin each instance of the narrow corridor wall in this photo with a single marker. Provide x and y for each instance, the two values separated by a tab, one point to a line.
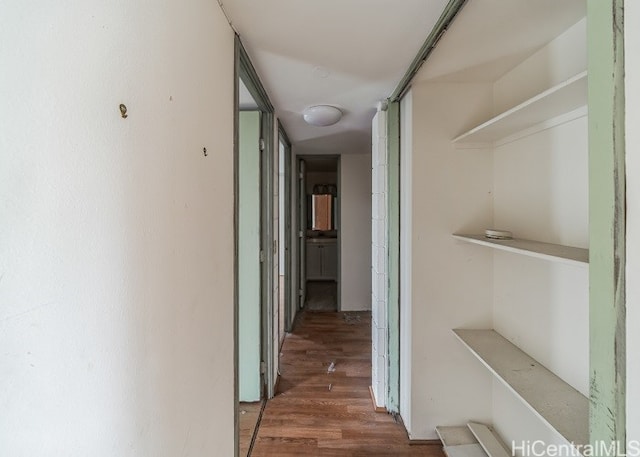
116	241
355	231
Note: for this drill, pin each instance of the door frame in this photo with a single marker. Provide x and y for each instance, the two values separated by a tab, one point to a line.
289	302
245	71
300	259
301	237
607	222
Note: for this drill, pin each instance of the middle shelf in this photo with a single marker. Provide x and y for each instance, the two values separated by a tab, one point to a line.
548	251
561	103
558	404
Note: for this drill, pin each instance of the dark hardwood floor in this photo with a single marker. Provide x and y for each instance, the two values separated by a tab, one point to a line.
330	414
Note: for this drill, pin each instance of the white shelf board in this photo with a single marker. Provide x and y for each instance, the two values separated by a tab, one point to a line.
465	450
554	401
569	96
490	442
458	441
455	435
538	249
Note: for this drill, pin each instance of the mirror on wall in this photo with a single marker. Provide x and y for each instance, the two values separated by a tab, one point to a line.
322	208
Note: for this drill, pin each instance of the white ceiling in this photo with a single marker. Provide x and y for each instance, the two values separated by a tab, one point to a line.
353	53
350	54
490	37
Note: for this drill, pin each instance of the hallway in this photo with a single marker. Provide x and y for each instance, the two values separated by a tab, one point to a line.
322	413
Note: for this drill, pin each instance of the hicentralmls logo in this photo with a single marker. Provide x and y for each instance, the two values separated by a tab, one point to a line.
539	448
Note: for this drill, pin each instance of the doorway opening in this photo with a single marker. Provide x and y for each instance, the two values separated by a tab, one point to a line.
319	232
250	375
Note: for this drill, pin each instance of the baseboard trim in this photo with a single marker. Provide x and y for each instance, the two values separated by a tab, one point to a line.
434	442
376	408
276	386
412	442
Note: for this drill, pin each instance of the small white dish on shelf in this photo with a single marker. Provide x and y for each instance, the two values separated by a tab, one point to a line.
496	234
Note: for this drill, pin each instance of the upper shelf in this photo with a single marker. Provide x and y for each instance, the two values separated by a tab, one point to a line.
547	251
558	404
561	103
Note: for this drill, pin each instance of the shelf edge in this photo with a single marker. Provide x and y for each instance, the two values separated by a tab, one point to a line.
557	121
505	114
494	244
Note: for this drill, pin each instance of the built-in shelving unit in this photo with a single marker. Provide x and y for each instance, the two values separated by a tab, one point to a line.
538	249
562	103
559	405
532	162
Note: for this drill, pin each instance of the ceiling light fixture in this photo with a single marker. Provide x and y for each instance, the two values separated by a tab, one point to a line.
322	115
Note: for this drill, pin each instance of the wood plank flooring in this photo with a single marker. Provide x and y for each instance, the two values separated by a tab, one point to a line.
249	415
330	414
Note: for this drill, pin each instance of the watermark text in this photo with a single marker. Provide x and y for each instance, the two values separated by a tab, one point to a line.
539	448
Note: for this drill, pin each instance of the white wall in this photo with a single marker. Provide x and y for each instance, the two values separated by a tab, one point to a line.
632	88
355	231
541	192
451	281
116	242
554	63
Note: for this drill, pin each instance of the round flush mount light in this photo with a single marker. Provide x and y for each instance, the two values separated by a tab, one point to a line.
322	115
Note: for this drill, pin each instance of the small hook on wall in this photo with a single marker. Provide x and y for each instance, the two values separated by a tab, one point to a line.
204	150
123	111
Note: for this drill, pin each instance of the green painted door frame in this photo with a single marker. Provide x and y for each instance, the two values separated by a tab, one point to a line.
245	72
289	303
607	212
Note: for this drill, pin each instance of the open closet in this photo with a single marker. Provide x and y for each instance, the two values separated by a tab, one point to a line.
496	133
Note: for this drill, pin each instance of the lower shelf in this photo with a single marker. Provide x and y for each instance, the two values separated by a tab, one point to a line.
554	401
474	440
459	442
